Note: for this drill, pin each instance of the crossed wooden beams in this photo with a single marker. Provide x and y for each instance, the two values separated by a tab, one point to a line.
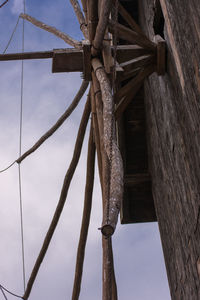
102	61
135	62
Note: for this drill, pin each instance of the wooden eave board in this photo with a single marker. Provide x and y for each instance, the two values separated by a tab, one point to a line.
138	204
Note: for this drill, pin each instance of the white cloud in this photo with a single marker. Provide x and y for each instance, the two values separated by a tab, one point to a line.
17	7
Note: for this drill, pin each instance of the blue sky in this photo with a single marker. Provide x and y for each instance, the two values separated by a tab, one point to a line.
139	261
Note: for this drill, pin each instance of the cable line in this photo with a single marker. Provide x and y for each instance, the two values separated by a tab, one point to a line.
11	37
20	151
9	292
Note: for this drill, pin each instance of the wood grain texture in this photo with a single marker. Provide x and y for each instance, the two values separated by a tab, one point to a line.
172	109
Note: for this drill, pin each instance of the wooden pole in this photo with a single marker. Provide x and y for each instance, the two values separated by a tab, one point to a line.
85	217
60	121
110	216
65	37
101	27
80	17
63	195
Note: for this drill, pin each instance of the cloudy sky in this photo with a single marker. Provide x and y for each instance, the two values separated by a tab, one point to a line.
140	269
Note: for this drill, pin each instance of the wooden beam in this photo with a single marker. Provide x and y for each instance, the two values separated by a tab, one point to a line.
127	52
87	67
127	93
131	22
67	60
137	62
132	83
131	36
26	55
133	179
161	54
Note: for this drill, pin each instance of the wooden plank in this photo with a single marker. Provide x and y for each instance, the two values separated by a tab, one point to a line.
134	179
137	62
87	62
131	36
134	82
173	123
161	55
107	55
131	22
26	55
127	52
67	60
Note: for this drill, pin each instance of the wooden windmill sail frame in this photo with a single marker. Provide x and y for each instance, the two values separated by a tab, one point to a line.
97	58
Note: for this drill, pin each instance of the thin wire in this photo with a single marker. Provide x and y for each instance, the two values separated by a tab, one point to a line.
3	3
3	293
20	152
1	171
11	37
9	292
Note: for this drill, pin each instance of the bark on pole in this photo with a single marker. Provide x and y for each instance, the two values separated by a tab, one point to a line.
116	176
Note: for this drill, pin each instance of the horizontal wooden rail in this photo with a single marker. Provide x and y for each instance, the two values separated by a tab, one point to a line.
26	55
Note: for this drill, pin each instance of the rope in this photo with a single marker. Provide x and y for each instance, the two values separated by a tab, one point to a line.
11	37
1	171
3	3
20	151
9	292
3	293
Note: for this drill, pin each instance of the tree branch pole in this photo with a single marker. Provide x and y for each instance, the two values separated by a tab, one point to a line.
84	5
65	37
96	133
59	122
80	17
92	18
116	177
101	27
63	195
105	187
85	217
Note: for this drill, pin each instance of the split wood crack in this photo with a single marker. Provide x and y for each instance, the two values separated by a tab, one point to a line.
98	58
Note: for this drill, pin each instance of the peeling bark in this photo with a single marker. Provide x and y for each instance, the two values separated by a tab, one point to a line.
110	217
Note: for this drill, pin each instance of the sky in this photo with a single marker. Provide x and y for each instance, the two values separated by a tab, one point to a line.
139	263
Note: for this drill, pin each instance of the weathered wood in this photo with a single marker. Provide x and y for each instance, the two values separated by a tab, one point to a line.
138	62
131	36
86	217
172	104
131	22
59	122
96	132
67	60
62	199
80	17
107	54
26	55
122	96
101	27
65	37
92	18
161	55
87	67
127	52
110	216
